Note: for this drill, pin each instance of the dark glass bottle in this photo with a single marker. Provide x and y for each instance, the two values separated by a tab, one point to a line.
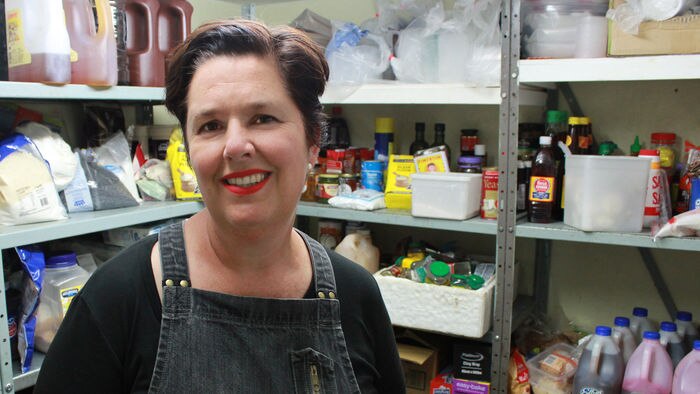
419	143
575	131
338	134
542	195
440	140
556	127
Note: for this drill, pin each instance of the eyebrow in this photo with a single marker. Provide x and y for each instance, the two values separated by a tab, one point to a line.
253	106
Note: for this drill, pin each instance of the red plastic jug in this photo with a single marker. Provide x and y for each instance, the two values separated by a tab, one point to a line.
94	51
174	24
146	63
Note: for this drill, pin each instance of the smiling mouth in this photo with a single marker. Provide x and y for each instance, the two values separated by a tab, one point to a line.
247	181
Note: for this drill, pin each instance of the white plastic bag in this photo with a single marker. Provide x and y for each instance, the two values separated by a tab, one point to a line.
62	161
356	56
77	193
686	224
360	199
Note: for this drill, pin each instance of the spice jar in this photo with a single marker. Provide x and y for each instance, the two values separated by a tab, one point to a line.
665	144
309	193
437	272
326	187
347	184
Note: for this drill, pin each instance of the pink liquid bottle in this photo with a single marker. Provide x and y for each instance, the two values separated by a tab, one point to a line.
687	377
649	370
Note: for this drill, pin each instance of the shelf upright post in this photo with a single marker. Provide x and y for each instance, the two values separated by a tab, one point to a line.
248	10
507	176
5	353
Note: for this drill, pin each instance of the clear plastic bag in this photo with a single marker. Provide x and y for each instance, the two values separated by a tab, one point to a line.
54	150
316	26
356	56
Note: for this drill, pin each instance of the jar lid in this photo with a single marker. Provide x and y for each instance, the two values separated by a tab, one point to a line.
648	152
439	268
384	125
328	176
62	260
347	175
574	120
663	138
554	116
469	160
585	120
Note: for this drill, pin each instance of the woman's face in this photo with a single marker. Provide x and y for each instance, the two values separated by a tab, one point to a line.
246	140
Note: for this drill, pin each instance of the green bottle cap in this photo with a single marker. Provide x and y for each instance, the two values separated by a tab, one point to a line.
635	147
475	281
554	116
607	148
439	269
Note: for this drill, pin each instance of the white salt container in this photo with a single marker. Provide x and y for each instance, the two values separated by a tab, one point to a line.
445	195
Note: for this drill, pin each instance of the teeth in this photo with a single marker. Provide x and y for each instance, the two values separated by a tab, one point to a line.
246	181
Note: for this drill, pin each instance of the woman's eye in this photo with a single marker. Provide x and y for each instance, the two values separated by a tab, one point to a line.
262	119
210	126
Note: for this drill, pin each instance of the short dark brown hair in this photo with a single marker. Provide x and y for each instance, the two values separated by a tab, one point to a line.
300	61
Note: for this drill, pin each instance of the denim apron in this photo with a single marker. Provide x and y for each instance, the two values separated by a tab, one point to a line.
218	343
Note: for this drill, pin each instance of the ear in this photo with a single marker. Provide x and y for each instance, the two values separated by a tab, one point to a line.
313	154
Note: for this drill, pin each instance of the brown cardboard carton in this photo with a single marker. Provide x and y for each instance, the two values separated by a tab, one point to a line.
679	35
420	366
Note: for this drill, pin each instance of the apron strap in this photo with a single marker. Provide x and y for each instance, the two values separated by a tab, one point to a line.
323	270
173	259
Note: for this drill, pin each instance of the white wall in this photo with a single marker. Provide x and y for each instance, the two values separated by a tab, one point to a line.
590	284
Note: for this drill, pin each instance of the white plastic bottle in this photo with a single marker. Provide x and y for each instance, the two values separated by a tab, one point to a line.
686	329
358	247
640	323
672	341
623	337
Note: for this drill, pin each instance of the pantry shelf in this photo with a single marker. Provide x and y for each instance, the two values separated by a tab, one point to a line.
405	93
396	217
25	380
635	68
89	222
561	232
40	91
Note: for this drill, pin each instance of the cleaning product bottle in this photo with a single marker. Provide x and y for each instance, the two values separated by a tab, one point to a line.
601	368
624	338
38	47
686	329
640	323
649	370
672	341
94	51
687	377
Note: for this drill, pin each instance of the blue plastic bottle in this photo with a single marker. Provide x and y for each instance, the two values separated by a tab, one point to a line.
672	341
640	323
601	368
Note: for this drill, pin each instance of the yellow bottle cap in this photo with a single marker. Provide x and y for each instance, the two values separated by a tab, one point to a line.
574	120
384	125
585	120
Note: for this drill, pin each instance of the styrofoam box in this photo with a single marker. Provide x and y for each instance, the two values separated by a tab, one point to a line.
444	309
445	195
605	193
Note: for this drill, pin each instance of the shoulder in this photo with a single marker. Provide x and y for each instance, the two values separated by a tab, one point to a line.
351	278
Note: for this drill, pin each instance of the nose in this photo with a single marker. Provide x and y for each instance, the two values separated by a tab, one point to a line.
238	141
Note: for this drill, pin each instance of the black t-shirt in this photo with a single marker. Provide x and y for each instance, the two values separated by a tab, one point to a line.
108	340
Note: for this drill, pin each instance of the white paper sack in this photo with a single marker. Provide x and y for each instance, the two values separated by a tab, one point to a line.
62	161
361	200
686	224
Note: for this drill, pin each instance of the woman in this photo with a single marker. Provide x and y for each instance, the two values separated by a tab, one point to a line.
233	299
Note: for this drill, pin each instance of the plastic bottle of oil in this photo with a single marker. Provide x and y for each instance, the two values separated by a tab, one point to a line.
542	194
94	50
37	41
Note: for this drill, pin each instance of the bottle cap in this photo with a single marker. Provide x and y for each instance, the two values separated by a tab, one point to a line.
603	331
640	312
606	148
439	127
651	335
384	125
480	150
420	126
663	138
554	116
648	152
696	344
439	268
636	146
684	316
62	260
622	321
668	326
545	140
585	120
574	120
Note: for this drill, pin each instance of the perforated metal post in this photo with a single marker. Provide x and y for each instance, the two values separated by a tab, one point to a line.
5	353
507	179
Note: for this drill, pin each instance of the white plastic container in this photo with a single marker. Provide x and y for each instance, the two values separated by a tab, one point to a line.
605	193
552	371
63	279
445	195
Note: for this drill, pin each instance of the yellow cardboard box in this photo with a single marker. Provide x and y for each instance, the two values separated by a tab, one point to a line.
679	35
397	193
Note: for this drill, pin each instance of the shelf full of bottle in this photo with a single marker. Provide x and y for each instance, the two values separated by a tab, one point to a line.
565	174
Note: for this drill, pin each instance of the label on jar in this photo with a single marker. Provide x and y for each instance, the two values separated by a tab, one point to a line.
542	188
327	190
67	295
489	193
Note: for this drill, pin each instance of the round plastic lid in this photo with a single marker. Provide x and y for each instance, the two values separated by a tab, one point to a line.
663	138
651	335
684	316
603	331
384	125
622	321
574	120
439	268
554	116
668	326
545	140
639	311
649	152
696	344
62	260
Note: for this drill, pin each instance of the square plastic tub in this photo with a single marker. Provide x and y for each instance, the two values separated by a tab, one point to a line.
552	371
445	195
605	193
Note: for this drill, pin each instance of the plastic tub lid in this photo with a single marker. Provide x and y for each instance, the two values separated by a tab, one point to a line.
664	138
62	260
684	316
639	311
603	331
622	321
668	326
651	335
696	344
